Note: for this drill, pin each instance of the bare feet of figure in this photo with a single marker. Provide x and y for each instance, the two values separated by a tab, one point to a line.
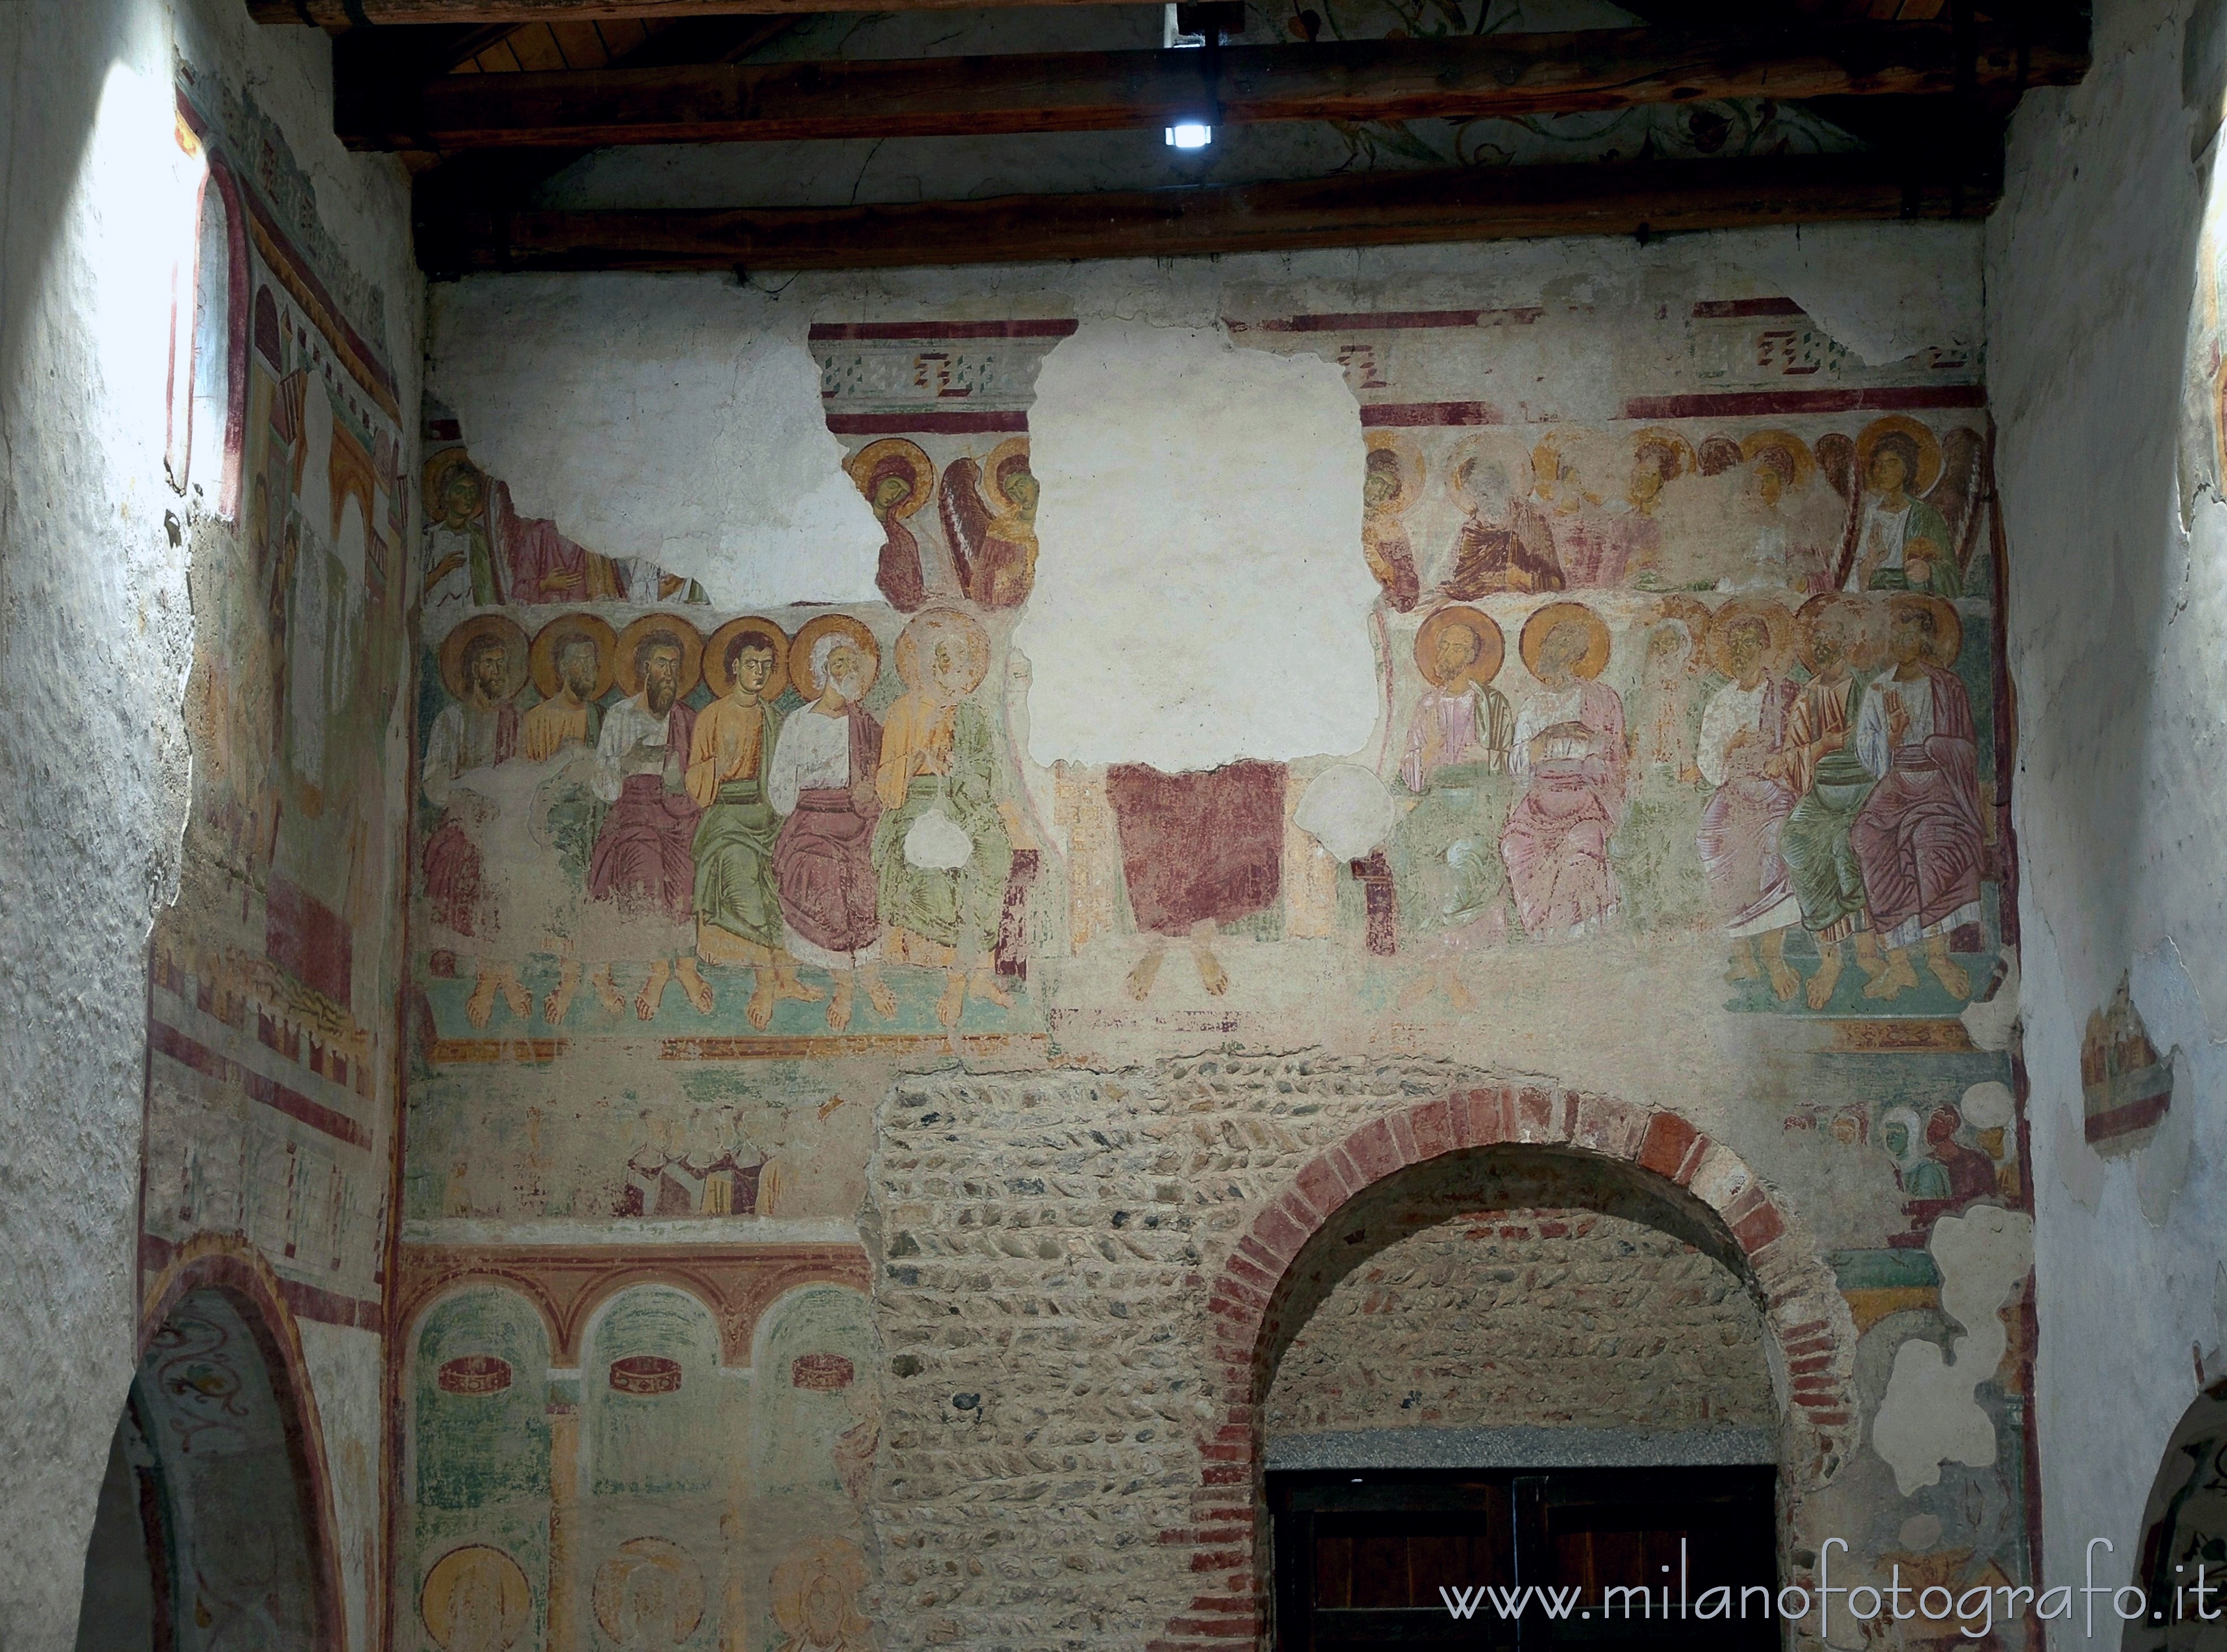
1741	966
759	1009
1211	975
1146	972
1827	978
1784	981
514	993
1950	973
605	982
1450	982
787	984
1895	979
879	994
839	1006
953	1000
653	990
554	1007
693	984
984	984
607	991
480	1007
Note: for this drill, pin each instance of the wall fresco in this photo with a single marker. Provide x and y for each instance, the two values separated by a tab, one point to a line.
1689	710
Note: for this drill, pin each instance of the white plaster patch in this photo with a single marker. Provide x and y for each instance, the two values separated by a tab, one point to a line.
1928	1416
1200	596
1990	1023
1884	297
675	420
1987	1106
1346	809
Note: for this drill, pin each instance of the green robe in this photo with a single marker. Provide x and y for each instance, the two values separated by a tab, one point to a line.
1829	881
1924	522
961	908
733	851
1444	852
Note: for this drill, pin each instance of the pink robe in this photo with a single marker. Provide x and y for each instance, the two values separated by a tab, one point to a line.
1738	839
644	855
1919	836
453	866
534	552
1556	841
823	863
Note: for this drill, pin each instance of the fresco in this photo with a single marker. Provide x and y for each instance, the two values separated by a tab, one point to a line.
1696	698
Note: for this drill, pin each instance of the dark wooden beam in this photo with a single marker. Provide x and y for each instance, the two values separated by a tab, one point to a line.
356	14
1375	209
1465	78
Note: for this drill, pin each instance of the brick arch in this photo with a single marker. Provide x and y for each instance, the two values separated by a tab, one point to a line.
1804	1319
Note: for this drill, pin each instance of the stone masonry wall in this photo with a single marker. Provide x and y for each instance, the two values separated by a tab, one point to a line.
1529	1316
1041	1249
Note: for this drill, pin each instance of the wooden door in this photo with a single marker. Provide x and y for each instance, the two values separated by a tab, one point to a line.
1499	1559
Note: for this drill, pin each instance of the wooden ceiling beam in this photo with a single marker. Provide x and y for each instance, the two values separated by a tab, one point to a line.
1371	209
1465	78
337	14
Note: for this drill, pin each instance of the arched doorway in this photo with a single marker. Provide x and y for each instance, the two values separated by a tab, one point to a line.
214	1527
1540	1148
2185	1535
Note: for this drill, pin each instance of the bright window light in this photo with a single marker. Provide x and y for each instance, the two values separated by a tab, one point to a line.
1191	135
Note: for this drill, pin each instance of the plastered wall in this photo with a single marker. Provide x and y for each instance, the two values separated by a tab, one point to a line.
203	633
798	1046
2103	288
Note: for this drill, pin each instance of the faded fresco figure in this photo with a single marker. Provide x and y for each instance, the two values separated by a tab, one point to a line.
1902	541
1635	550
483	663
1920	837
990	522
641	863
1657	878
895	477
1570	750
941	851
1786	536
461	573
1830	782
1504	543
541	565
571	666
814	1593
826	764
1391	481
736	906
1200	851
1938	1174
1444	852
1742	756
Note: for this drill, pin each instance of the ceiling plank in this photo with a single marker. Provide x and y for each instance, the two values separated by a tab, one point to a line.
356	14
1376	210
1361	80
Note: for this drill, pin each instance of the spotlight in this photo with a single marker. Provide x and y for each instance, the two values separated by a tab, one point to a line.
1190	135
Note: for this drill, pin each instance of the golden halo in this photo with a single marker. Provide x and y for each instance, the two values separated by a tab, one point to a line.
800	659
684	1582
932	623
440	468
492	1570
1796	450
691	652
1492	647
1548	618
1814	613
1689	611
994	467
1776	619
543	656
893	453
1948	625
1662	439
721	681
514	652
1407	471
1491	447
1928	448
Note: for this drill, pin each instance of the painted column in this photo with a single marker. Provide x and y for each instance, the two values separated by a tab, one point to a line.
563	1509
